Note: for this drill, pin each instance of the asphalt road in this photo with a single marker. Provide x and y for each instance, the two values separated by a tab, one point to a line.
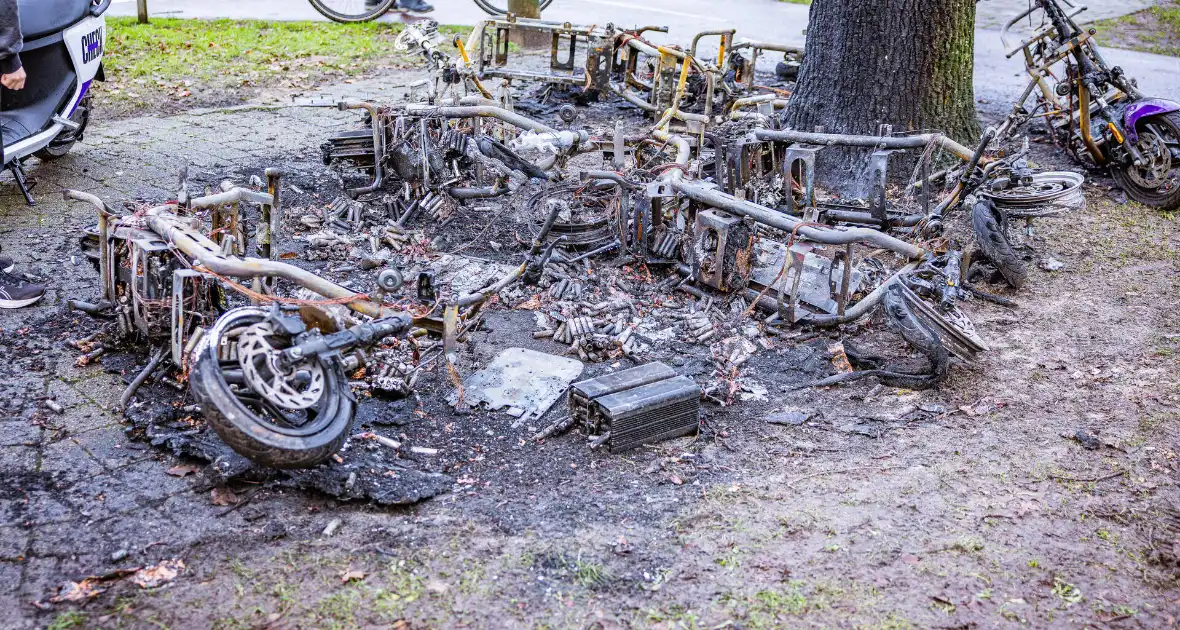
998	80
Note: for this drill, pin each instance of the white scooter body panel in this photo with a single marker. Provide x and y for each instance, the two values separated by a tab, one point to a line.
85	42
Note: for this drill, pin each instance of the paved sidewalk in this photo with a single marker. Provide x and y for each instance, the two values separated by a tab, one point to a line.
76	490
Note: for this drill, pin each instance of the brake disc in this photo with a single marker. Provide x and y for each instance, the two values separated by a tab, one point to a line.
1158	162
291	388
954	328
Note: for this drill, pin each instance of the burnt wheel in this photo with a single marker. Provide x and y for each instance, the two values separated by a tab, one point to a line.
1156	182
495	8
992	240
277	416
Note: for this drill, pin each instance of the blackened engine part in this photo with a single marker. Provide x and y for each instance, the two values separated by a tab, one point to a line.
352	147
427	292
723	249
407	162
992	239
497	151
589	225
639	406
788	69
453	144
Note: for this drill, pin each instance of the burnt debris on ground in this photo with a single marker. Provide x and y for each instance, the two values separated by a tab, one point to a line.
510	231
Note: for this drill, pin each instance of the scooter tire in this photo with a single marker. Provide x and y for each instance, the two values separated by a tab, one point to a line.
353	18
993	242
51	152
493	9
58	149
252	436
1169	200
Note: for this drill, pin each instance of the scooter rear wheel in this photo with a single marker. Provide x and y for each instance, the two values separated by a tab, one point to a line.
351	11
66	140
1157	184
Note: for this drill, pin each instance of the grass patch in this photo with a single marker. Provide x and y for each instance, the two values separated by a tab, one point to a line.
1155	30
173	64
67	619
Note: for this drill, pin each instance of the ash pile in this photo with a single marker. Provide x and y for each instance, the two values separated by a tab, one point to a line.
640	207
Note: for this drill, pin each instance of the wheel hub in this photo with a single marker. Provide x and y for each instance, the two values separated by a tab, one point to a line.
292	388
1157	162
1049	193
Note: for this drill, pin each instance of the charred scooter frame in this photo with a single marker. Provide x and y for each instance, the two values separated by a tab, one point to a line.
271	381
1094	108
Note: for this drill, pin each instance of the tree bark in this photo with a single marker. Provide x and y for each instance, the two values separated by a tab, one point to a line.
905	63
525	8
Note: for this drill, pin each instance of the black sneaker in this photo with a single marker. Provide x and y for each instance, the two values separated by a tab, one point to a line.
414	6
15	292
7	264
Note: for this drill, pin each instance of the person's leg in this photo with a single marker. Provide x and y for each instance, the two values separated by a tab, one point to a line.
15	292
414	6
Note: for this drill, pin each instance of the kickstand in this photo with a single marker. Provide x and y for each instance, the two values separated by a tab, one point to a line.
18	173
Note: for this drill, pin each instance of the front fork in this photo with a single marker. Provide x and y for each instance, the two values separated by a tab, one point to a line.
363	335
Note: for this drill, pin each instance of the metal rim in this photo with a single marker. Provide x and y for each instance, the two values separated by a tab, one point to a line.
221	344
1154	149
492	9
954	328
1045	189
347	11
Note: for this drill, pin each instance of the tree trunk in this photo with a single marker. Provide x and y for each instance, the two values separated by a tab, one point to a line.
867	63
525	8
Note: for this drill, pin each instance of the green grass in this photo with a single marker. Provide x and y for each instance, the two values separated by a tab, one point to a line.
1154	30
180	63
67	619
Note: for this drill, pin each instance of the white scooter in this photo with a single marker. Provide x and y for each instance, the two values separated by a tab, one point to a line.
62	56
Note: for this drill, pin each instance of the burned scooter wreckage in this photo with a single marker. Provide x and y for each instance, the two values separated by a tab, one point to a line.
715	200
271	380
730	203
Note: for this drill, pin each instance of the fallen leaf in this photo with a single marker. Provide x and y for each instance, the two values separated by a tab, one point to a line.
839	357
352	575
676	480
224	496
159	575
78	591
181	471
